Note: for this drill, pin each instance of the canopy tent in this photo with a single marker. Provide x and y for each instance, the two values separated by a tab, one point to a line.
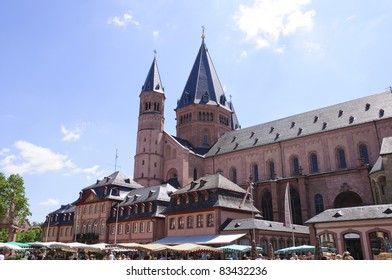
86	247
302	249
234	248
145	247
20	244
192	247
200	239
51	244
10	246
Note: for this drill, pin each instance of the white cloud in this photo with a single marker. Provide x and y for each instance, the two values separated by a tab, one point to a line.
311	46
123	20
155	34
244	54
50	202
73	135
266	21
4	151
33	159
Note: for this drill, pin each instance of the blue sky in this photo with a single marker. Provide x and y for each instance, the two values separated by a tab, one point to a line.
71	73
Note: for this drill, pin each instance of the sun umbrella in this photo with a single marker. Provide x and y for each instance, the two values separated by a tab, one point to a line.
318	252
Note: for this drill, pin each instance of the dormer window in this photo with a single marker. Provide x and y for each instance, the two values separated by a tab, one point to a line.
351	120
299	131
315	119
271	129
324	126
252	134
292	124
223	100
381	113
367	107
277	136
206	97
186	98
340	113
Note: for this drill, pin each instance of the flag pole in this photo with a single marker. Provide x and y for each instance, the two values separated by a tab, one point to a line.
254	249
287	222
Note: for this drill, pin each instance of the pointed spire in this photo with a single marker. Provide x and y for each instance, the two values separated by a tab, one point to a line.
153	81
203	85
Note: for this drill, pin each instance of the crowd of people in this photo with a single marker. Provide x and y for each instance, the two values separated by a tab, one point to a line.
43	254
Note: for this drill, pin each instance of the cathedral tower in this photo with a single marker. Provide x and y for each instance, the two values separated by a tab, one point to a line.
203	112
149	146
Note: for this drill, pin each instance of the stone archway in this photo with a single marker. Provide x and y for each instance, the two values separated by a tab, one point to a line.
347	199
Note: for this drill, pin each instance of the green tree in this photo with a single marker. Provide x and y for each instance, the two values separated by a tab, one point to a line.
31	235
12	193
3	235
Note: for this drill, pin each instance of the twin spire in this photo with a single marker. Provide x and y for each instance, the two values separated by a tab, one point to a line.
153	81
202	87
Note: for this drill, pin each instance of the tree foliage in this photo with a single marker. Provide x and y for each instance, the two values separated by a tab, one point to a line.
31	235
12	191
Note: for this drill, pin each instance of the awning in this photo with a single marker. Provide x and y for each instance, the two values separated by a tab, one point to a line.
200	239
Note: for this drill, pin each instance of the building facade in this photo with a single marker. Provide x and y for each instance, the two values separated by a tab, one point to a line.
364	231
324	155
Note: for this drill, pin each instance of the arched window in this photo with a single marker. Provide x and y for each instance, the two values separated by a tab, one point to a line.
341	158
255	173
377	240
295	165
363	153
318	203
266	203
271	167
313	163
205	140
233	175
296	212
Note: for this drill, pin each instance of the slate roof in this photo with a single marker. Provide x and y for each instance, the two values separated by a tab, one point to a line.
115	179
67	208
386	146
212	181
203	82
247	224
378	166
147	194
382	211
363	110
160	193
222	193
153	81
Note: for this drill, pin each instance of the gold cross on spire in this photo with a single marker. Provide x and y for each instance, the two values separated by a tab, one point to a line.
203	35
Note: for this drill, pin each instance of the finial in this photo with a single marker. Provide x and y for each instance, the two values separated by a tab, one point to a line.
203	35
155	53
